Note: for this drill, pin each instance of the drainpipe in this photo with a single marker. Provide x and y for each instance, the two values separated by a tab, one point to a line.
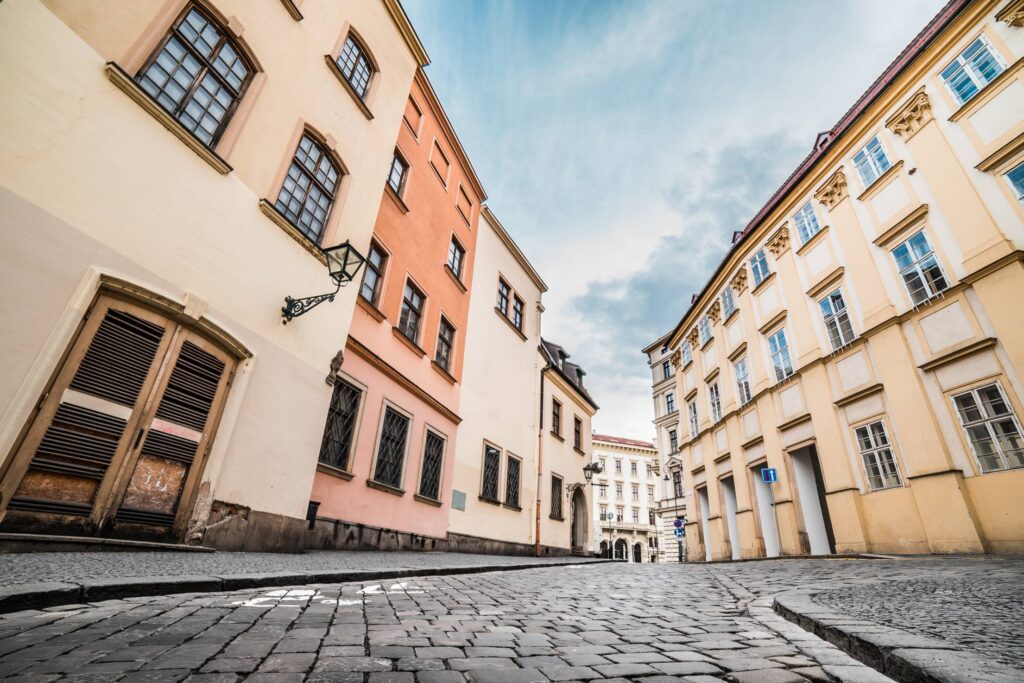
540	458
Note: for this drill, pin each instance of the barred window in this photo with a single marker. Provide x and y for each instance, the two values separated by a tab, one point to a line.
716	402
396	176
919	268
445	342
992	428
556	496
512	475
373	274
779	350
742	380
879	462
355	66
456	254
394	433
492	467
307	193
504	291
806	223
412	312
336	446
433	459
871	161
198	74
517	313
972	70
759	267
837	320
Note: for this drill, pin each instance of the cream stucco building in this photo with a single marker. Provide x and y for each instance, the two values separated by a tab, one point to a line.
626	495
156	209
863	337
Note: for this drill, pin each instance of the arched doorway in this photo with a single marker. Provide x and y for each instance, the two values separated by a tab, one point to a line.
621	550
605	552
578	522
638	553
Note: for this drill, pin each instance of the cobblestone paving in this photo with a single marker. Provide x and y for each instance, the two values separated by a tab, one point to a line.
617	622
18	568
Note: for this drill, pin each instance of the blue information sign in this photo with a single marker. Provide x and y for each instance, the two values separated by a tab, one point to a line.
679	533
769	475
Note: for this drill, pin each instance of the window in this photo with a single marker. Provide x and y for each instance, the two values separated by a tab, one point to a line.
604	464
972	70
1016	180
666	369
433	458
445	342
670	402
517	312
650	521
618	467
396	176
412	311
394	432
439	162
677	484
355	66
728	302
919	268
716	402
464	204
512	476
556	417
759	267
556	496
742	381
492	469
837	320
373	274
634	490
687	358
602	488
456	254
779	349
877	454
618	490
412	116
691	409
636	515
503	294
198	74
604	513
673	441
650	469
618	515
705	329
336	446
308	190
650	494
871	161
806	223
633	469
577	433
991	427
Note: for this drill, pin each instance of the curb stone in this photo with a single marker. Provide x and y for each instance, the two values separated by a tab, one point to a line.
903	656
52	594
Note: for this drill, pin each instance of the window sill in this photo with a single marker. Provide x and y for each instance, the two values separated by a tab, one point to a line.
815	239
578	450
444	373
497	312
455	278
491	501
985	95
370	309
386	488
704	345
293	9
396	198
413	346
273	214
334	471
881	181
732	314
769	278
332	65
428	501
557	518
517	508
129	87
557	436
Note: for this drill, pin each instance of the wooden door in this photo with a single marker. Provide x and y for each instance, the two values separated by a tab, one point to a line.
119	441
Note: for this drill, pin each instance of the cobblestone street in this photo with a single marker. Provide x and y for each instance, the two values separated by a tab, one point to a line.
627	622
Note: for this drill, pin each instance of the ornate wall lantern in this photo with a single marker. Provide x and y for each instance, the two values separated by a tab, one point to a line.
343	264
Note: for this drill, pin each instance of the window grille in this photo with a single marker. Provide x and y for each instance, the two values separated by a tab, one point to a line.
339	432
556	496
391	452
512	475
433	459
492	465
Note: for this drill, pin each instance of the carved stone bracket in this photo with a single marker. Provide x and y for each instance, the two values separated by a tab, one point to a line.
676	358
833	190
1013	14
779	242
912	116
715	312
739	281
694	338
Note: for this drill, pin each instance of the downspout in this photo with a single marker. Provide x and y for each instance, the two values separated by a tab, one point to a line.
540	459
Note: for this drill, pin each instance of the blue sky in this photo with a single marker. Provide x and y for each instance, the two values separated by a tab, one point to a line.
621	143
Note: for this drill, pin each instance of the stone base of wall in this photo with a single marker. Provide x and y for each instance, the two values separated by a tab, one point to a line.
463	543
240	529
334	534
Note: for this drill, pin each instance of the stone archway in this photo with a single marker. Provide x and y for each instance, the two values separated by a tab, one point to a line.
605	550
638	553
621	550
578	525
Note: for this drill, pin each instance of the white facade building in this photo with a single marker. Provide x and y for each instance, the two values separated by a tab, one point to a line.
626	495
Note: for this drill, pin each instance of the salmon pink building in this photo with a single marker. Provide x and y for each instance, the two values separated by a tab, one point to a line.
385	468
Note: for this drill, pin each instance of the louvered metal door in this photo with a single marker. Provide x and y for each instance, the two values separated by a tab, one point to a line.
122	428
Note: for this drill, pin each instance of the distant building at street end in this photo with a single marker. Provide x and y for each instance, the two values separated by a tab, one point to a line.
851	377
626	495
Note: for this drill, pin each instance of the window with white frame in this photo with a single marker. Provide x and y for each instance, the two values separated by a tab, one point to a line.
759	267
716	402
837	320
687	358
919	268
871	161
991	427
602	488
705	330
670	402
879	463
634	491
778	347
691	409
633	468
650	494
1016	179
618	490
742	381
806	223
636	515
728	303
972	70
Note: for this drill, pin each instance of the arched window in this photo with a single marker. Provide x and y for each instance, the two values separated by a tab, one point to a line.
308	191
355	65
198	74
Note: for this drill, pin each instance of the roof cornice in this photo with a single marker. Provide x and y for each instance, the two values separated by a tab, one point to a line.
408	33
449	131
511	245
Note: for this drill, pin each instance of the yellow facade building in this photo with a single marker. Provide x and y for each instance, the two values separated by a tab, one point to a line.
862	342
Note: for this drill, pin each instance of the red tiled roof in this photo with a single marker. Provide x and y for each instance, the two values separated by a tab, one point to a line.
625	442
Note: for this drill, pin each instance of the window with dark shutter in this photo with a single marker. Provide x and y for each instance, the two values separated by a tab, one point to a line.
394	432
339	432
512	476
492	466
430	475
